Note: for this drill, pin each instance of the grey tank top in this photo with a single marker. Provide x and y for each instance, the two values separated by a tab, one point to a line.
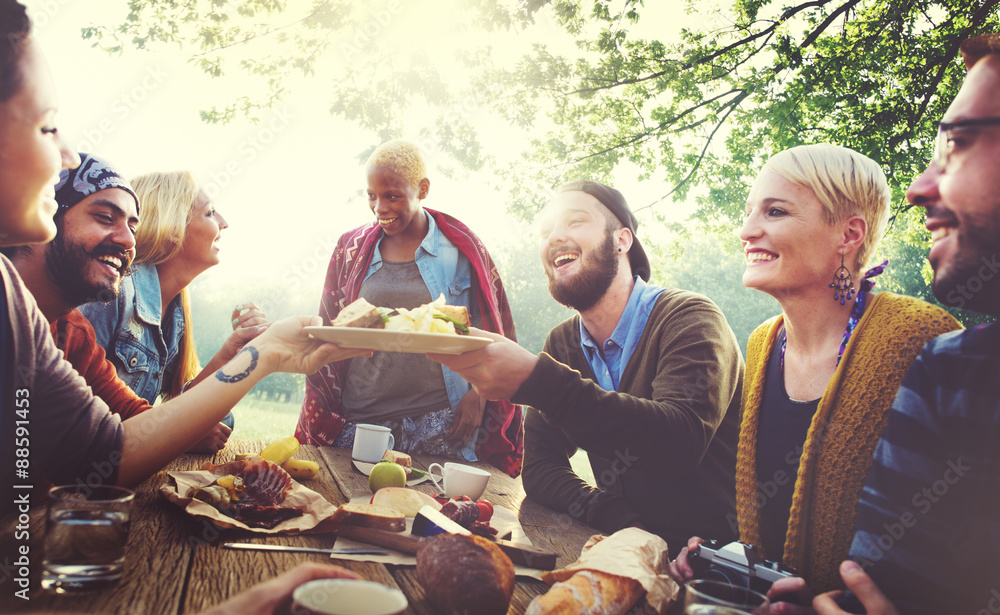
390	385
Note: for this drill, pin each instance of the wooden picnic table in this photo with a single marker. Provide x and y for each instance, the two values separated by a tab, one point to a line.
175	563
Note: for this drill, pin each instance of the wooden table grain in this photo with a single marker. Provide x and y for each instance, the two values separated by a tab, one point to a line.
175	563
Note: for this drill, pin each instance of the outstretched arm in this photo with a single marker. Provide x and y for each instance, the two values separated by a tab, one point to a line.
155	437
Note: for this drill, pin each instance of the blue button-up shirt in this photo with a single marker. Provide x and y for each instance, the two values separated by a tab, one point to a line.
619	347
141	342
445	270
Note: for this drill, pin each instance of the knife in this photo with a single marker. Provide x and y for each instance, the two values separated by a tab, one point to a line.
256	546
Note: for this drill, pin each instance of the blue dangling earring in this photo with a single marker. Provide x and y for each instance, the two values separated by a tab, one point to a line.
843	283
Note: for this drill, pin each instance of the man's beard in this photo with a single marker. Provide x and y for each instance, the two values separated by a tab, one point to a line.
582	291
65	264
970	279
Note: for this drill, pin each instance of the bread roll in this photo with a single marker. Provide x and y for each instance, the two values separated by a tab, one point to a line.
465	574
588	592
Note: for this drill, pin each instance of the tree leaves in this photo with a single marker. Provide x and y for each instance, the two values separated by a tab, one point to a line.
699	112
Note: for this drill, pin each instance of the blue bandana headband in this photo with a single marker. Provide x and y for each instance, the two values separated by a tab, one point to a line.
93	175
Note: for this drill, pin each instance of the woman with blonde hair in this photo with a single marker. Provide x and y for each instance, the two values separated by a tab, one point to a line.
147	332
820	376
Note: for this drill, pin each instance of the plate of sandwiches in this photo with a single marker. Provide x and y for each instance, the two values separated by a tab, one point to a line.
432	327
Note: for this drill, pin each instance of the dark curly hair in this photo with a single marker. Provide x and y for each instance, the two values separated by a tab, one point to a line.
15	27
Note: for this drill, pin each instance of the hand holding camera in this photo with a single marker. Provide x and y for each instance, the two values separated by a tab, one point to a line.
737	564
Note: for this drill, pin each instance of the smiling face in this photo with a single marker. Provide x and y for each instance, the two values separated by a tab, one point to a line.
963	203
94	247
789	244
31	155
394	200
202	234
578	249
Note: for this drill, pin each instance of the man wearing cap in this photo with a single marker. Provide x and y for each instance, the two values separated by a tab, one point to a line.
647	380
86	261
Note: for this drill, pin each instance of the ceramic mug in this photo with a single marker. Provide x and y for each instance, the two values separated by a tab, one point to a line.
459	479
347	597
371	442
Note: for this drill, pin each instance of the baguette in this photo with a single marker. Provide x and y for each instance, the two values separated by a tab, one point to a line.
370	515
588	592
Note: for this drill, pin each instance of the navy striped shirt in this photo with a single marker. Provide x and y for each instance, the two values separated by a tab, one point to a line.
929	516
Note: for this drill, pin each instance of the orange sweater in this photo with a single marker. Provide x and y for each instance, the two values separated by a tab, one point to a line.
840	443
75	336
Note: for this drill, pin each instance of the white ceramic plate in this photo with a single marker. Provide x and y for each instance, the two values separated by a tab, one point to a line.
398	341
366	469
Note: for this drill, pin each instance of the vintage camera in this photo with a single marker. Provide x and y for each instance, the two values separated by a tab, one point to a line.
736	564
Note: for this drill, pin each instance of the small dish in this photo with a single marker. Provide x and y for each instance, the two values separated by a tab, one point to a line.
419	476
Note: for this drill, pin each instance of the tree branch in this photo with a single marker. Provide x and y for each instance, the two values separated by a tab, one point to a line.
646	134
262	34
826	23
708	141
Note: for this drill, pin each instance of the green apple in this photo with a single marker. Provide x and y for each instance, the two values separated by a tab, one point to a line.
386	474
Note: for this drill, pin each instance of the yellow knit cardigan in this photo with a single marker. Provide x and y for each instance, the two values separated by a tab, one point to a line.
837	453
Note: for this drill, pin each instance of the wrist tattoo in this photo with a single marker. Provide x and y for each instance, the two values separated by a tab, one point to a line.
224	377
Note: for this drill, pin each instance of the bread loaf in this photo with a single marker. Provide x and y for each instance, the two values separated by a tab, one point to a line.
465	574
370	515
588	592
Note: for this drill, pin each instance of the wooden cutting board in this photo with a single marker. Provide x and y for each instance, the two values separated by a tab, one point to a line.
405	542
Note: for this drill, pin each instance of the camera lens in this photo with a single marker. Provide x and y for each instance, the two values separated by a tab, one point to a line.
728	576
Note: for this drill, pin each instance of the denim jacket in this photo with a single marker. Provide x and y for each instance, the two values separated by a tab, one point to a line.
142	343
444	270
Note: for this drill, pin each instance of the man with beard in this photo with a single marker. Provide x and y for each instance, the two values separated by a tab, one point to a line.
647	380
91	253
928	529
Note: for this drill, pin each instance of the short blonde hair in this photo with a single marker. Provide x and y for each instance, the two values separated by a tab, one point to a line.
167	200
845	182
400	156
167	207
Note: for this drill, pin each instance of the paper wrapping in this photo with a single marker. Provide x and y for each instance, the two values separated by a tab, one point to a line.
630	553
316	511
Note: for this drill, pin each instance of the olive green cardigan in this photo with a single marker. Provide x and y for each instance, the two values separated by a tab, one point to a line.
837	454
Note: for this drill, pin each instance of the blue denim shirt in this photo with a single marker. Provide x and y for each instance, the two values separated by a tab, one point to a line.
141	342
619	347
445	270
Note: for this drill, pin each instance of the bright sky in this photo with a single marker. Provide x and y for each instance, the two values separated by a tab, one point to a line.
292	184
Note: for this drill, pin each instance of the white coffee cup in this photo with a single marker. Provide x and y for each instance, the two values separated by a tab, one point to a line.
371	442
460	479
347	597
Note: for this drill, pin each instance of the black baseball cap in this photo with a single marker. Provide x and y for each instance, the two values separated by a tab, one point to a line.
615	202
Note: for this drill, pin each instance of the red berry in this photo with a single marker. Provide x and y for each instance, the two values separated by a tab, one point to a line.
485	511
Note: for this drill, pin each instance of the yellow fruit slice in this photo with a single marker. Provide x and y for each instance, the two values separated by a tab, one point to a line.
301	468
280	451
